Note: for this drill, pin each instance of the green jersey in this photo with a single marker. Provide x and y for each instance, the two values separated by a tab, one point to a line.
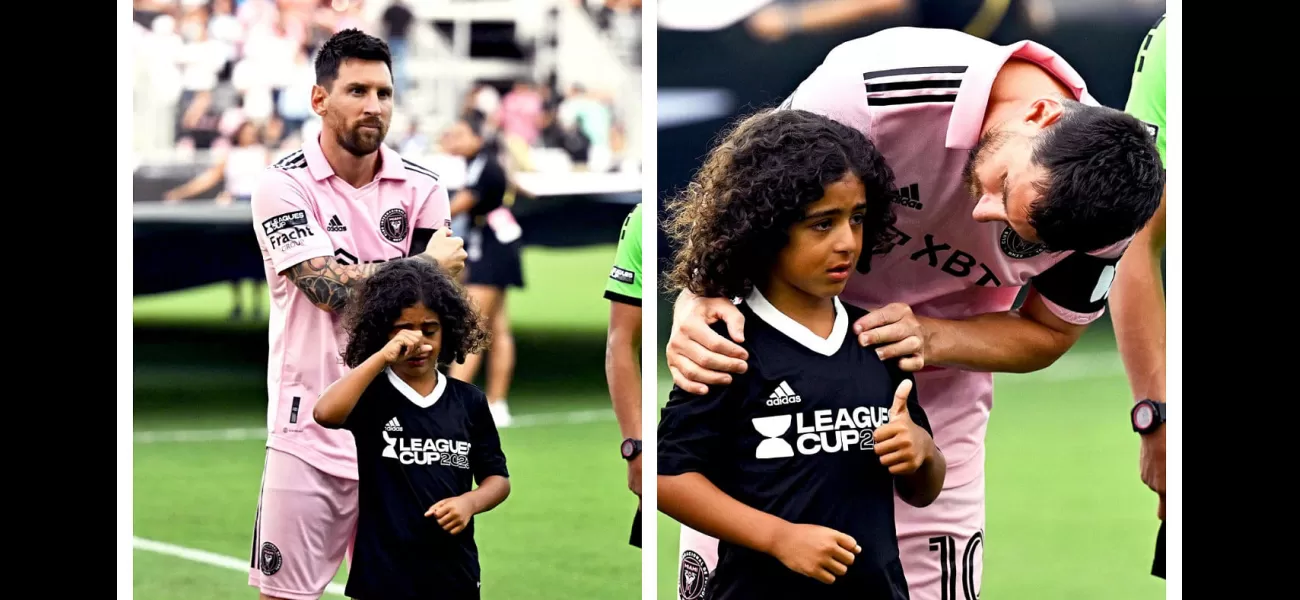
1146	97
624	284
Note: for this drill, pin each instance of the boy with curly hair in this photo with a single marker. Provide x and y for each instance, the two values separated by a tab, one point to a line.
793	465
422	438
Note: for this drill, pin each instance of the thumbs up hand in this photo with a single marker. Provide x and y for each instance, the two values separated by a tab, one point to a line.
899	409
902	445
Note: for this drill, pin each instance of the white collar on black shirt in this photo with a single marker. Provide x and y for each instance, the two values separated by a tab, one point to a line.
414	396
797	332
475	169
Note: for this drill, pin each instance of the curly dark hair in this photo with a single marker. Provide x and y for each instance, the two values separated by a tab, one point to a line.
398	285
734	217
349	43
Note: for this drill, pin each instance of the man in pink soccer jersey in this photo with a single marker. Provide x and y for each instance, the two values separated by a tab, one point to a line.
324	216
1009	175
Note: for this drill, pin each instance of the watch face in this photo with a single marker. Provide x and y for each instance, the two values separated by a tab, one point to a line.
627	448
1143	417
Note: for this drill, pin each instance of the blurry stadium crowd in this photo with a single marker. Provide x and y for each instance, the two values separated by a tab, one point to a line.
227	83
543	129
621	21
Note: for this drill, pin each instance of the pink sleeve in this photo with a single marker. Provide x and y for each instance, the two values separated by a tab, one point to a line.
436	211
285	222
1115	250
1070	316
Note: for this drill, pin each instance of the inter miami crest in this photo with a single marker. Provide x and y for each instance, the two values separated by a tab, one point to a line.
271	559
1017	247
393	225
694	577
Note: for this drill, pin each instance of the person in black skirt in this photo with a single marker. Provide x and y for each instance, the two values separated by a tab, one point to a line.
492	244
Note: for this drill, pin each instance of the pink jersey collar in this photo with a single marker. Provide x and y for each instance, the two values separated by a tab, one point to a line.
391	166
973	97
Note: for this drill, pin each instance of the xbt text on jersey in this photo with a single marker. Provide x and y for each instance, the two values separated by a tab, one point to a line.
827	431
425	451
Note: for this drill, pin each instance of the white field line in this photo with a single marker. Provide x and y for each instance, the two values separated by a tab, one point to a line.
228	562
1071	367
209	558
259	433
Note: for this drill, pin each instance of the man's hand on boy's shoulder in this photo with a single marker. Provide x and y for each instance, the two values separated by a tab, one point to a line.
898	332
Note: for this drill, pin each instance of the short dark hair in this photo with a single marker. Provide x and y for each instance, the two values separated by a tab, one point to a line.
1104	179
733	219
475	120
398	285
349	43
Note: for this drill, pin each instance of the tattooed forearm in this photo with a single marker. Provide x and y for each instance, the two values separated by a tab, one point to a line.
327	283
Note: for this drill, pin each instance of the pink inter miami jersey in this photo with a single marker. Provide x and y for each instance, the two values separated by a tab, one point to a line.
920	95
301	210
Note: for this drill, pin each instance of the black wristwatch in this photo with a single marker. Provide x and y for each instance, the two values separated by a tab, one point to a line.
631	448
1147	416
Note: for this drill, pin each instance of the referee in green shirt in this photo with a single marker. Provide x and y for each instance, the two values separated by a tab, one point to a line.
1137	299
622	349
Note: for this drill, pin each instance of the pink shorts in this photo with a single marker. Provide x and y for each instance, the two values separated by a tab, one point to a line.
305	526
941	546
697	560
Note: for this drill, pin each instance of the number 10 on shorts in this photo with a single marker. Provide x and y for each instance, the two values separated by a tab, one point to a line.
946	546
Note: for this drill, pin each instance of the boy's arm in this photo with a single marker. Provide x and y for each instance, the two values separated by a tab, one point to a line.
489	493
694	501
691	435
921	487
810	550
487	460
488	464
335	405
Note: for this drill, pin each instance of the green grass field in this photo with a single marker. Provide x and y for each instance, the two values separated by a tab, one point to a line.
561	534
1066	516
575	275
